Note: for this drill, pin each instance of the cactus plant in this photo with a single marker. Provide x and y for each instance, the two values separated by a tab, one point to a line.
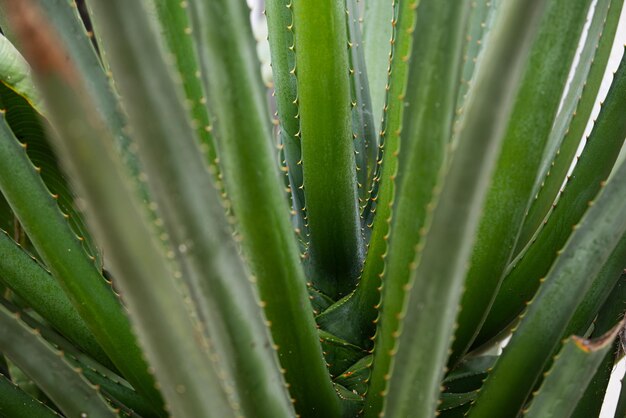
171	249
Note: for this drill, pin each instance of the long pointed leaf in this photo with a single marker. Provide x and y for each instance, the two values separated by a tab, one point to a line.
547	316
435	287
426	131
94	71
363	129
603	286
173	341
362	305
282	49
24	115
573	117
253	184
590	404
16	403
427	128
75	396
593	167
377	35
15	74
176	29
31	282
510	190
330	185
572	371
479	23
109	383
225	299
613	310
67	260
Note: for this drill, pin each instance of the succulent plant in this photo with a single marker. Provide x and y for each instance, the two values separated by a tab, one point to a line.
171	249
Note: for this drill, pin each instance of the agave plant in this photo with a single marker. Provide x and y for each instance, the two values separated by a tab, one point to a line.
173	249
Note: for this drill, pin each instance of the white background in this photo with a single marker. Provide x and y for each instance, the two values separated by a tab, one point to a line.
618	48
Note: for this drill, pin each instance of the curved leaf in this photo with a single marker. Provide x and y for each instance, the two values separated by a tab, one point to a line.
377	45
527	133
254	187
281	27
47	367
69	263
31	282
545	319
228	310
363	129
592	169
24	110
18	404
573	116
428	312
15	74
336	248
569	376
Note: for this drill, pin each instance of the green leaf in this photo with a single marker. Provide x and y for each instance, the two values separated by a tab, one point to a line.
437	273
24	115
30	128
15	74
510	191
174	342
111	385
254	187
120	393
428	116
23	381
339	354
363	129
606	293
224	298
91	295
282	49
592	169
591	402
454	400
31	282
362	305
480	20
546	318
469	374
77	43
620	158
336	248
166	348
319	301
611	313
377	45
355	377
175	27
352	403
16	403
572	119
604	285
47	367
436	283
573	368
171	342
